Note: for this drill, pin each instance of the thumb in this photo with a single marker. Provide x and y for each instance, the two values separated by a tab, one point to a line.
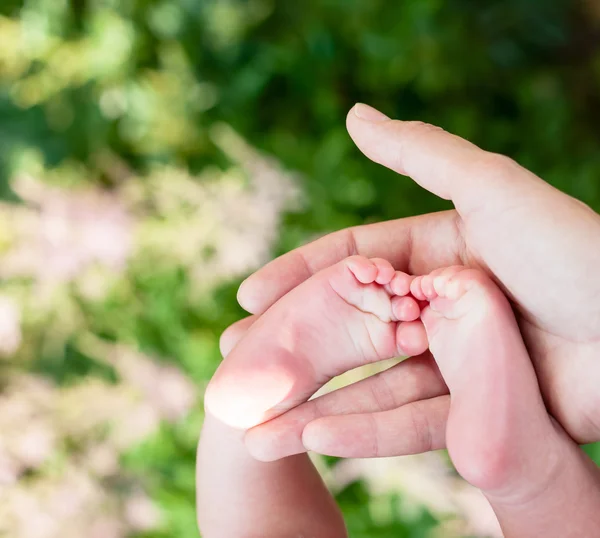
444	164
519	227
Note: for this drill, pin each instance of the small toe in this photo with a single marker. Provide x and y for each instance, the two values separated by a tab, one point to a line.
400	283
427	287
416	289
362	268
411	338
385	271
405	308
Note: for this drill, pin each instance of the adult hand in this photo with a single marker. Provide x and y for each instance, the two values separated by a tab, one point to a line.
540	245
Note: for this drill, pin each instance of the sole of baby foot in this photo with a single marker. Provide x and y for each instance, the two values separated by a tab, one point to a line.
499	434
343	317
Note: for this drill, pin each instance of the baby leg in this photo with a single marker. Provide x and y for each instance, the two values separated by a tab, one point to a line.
499	434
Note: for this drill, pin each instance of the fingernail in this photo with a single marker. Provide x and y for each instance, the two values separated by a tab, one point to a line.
243	299
366	112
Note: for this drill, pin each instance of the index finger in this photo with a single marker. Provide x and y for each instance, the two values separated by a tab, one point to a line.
415	245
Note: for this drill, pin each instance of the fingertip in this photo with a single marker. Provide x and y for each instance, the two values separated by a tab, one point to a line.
279	437
373	133
316	437
265	445
333	436
227	342
246	297
364	112
233	334
209	401
446	165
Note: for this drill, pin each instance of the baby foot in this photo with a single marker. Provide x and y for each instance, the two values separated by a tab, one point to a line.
353	313
497	420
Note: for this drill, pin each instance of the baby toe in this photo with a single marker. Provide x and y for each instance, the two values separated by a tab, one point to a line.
427	287
405	308
411	338
385	271
400	283
362	268
416	289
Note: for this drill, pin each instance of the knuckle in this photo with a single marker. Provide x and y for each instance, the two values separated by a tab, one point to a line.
382	393
419	381
414	130
421	429
345	242
375	447
412	376
496	165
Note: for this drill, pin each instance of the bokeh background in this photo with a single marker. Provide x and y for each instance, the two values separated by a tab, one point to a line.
155	152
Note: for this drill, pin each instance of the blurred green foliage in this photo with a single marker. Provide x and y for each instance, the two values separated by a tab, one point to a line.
143	81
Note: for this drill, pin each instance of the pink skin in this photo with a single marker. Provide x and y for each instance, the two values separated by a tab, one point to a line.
498	432
353	313
525	234
522	232
496	412
269	500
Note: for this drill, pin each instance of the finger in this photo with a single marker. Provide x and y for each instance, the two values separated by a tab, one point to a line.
402	242
413	379
446	165
234	333
504	209
411	429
